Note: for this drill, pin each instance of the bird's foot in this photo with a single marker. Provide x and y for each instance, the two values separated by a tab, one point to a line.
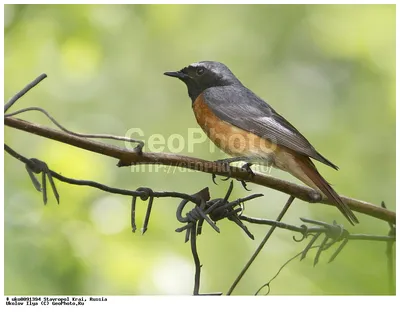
223	165
247	167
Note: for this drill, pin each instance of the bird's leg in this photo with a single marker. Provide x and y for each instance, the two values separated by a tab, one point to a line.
244	184
226	162
247	167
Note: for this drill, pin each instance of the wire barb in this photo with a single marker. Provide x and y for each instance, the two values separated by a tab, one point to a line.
35	166
146	194
210	210
333	234
133	214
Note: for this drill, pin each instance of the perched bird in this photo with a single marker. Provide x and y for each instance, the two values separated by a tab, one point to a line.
242	124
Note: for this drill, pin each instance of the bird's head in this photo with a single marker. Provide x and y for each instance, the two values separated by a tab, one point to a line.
203	75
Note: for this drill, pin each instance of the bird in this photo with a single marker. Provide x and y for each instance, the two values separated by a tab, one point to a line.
242	124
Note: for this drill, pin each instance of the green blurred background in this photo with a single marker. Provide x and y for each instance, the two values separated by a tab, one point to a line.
329	69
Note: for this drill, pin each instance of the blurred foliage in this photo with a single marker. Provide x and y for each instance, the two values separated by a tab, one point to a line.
329	69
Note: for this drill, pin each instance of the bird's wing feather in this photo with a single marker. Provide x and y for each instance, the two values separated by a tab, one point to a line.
228	103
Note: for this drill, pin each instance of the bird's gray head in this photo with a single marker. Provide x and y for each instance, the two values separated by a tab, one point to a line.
203	75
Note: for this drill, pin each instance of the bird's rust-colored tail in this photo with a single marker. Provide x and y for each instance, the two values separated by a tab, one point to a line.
309	169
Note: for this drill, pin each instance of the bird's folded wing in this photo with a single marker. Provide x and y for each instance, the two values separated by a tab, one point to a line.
242	108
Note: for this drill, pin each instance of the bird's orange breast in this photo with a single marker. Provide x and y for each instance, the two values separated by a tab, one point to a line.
229	138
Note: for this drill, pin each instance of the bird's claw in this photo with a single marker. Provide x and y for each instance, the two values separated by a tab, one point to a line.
244	184
223	166
247	167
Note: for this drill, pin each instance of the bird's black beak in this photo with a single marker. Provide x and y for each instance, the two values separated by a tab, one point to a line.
177	74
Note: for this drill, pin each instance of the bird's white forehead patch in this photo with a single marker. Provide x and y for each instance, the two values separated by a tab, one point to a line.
195	65
200	64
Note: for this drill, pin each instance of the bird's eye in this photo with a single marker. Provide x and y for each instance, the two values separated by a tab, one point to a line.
199	71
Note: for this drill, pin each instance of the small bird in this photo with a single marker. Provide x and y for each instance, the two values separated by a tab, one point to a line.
243	125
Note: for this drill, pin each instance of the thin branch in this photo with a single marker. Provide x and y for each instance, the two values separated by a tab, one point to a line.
277	273
333	232
261	246
138	148
23	91
127	158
